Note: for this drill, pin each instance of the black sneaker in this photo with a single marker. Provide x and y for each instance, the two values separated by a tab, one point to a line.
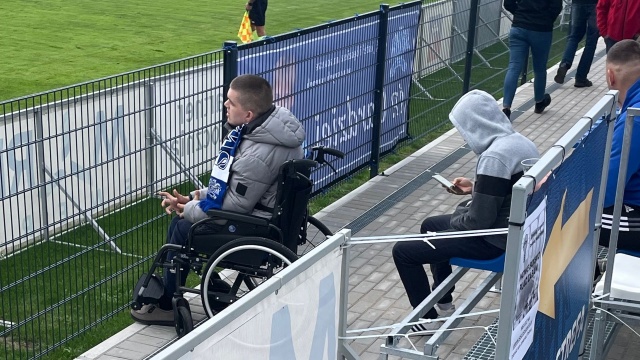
426	328
508	113
562	72
540	106
580	83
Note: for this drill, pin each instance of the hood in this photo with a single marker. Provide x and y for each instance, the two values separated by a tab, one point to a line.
479	120
280	128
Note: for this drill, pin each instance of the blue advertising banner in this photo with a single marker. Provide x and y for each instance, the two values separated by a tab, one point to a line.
565	289
326	78
401	47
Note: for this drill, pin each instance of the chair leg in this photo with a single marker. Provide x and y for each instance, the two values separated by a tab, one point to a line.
428	303
497	288
438	338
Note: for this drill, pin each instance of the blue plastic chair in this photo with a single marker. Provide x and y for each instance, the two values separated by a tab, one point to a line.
494	265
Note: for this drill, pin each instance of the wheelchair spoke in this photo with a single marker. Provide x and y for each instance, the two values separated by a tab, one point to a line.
236	284
251	283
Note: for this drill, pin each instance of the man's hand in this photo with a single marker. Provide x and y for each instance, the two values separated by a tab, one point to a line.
181	206
248	6
174	202
463	185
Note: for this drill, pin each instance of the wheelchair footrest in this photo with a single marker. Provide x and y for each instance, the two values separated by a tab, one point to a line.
150	294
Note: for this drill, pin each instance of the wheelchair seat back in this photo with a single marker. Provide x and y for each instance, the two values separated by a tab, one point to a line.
292	198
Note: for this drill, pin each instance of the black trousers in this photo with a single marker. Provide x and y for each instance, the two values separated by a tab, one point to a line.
410	256
629	234
258	12
609	42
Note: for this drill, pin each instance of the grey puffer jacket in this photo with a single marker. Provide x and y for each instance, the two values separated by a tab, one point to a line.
267	142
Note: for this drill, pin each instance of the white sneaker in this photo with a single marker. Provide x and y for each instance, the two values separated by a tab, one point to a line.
446	310
427	328
602	265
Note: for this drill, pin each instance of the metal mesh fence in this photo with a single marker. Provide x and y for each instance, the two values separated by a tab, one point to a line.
80	170
81	166
326	77
441	52
346	81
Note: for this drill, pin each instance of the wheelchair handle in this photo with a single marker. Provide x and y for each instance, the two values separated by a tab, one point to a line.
321	150
335	152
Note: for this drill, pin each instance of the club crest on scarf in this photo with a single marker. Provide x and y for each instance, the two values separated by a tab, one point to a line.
221	170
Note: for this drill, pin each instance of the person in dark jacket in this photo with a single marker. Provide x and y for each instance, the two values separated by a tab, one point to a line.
532	28
583	22
500	150
268	136
618	20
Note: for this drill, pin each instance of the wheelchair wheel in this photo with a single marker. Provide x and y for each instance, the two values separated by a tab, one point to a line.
183	321
227	278
316	233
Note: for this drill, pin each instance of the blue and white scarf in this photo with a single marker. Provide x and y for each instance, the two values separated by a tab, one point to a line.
221	170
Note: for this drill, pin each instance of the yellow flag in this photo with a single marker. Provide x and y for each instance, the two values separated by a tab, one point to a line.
245	33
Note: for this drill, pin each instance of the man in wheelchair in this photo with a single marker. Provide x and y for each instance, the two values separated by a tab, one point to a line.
261	138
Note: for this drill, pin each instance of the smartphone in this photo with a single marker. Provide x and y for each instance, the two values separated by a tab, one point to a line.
446	183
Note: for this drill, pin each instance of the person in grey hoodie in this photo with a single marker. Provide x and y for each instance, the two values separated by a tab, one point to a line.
271	135
500	150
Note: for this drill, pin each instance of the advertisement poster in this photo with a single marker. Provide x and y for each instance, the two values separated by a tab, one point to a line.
528	290
327	79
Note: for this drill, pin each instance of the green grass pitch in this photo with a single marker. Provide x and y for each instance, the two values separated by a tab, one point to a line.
47	44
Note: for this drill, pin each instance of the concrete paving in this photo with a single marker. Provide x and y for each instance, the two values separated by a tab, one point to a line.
397	203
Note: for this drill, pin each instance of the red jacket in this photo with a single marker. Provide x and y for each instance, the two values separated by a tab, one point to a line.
619	19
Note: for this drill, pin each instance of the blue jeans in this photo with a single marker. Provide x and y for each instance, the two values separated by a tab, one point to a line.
583	21
520	41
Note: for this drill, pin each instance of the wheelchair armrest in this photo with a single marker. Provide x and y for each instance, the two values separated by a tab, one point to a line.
244	218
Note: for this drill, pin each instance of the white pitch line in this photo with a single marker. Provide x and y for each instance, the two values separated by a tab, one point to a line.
85	247
7	324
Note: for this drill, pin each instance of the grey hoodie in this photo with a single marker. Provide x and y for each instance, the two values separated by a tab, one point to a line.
500	149
267	142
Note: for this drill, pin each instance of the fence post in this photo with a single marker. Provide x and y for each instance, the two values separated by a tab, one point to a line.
229	72
471	40
149	105
378	102
42	191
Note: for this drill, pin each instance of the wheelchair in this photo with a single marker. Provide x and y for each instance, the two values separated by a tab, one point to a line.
233	253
